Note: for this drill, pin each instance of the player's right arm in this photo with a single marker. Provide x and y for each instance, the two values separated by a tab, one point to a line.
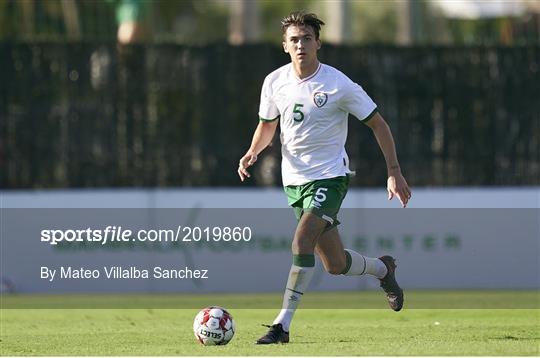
261	139
268	115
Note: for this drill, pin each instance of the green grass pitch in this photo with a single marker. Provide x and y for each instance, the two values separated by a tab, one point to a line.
485	323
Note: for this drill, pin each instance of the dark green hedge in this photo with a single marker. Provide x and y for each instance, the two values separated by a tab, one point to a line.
94	115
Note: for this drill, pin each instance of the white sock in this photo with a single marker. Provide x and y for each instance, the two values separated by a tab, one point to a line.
299	278
362	265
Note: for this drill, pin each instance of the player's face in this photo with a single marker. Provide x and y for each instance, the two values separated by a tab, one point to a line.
300	43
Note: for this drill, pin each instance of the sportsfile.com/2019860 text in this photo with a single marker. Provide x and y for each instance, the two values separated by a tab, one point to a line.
119	234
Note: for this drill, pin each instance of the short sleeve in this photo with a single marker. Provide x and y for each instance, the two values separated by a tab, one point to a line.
268	110
357	102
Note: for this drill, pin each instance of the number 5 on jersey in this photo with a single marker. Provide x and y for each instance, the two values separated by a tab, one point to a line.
298	115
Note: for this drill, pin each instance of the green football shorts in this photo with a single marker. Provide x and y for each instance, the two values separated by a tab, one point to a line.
321	197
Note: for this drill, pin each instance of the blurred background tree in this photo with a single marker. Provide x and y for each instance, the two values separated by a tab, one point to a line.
145	115
198	22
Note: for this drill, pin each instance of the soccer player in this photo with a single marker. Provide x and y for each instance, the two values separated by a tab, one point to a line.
312	102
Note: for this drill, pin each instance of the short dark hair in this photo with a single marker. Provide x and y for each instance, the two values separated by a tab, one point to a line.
302	18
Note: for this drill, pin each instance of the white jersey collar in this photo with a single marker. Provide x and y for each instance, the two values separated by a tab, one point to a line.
300	80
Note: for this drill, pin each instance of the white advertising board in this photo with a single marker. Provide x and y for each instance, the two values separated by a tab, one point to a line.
445	239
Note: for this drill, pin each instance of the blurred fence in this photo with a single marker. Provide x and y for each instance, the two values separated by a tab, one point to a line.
98	115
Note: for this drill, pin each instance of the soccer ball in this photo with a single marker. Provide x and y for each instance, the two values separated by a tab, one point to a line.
213	326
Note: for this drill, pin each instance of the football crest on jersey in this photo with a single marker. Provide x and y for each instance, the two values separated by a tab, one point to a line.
320	99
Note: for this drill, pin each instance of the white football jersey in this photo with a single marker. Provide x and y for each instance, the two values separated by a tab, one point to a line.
313	119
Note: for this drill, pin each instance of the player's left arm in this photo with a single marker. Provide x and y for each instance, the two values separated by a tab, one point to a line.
396	184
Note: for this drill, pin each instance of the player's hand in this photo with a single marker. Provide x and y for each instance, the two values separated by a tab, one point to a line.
397	186
245	162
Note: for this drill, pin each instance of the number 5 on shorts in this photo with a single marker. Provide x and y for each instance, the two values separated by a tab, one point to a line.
320	196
